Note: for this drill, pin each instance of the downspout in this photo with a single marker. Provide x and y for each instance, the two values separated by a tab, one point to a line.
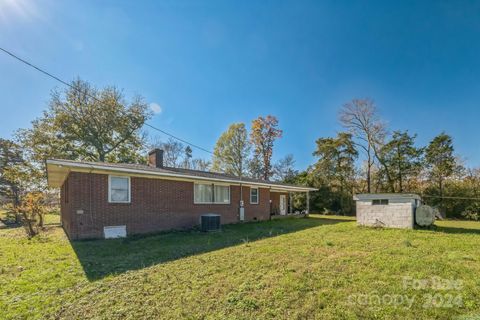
270	202
241	209
90	196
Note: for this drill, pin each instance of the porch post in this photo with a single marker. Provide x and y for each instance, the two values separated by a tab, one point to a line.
308	203
290	202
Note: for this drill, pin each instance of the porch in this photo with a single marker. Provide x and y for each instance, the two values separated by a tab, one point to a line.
281	203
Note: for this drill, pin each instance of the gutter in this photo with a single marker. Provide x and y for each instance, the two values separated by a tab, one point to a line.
167	174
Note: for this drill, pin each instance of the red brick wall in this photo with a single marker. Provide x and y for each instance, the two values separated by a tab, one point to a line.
260	211
275	197
65	207
156	205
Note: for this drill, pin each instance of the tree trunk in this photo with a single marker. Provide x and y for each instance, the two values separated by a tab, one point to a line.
40	220
16	203
391	186
369	172
400	182
28	225
442	207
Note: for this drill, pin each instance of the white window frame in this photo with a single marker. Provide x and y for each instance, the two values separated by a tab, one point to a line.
110	189
258	196
213	193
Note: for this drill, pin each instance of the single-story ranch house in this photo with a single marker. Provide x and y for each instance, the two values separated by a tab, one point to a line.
100	199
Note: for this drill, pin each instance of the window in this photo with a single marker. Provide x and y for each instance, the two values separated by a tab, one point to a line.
254	195
377	202
203	193
118	189
210	193
222	194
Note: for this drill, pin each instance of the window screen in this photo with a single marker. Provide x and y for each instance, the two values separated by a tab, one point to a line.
203	193
222	194
209	193
119	189
254	195
377	202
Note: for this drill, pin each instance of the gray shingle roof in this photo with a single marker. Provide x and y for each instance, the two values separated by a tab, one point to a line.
180	172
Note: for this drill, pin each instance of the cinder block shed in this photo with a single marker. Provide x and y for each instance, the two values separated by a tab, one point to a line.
393	210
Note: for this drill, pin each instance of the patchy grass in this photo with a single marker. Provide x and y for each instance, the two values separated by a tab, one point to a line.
318	267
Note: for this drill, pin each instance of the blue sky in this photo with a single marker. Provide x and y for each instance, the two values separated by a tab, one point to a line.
211	63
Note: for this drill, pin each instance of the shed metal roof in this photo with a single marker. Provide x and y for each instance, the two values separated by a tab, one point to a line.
374	196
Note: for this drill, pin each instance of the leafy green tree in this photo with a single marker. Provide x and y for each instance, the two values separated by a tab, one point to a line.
255	168
441	162
440	158
231	151
11	156
263	135
334	172
17	174
336	157
84	123
403	159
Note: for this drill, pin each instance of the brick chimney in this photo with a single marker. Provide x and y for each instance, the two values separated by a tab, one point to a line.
155	158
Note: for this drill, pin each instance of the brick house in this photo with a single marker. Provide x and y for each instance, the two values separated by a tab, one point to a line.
104	199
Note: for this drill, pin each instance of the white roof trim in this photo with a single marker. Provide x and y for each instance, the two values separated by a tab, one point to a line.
72	166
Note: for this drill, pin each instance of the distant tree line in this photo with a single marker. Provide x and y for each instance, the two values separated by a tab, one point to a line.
367	158
85	123
90	124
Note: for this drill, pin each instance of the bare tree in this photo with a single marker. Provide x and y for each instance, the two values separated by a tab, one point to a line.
284	168
173	152
201	165
360	117
187	158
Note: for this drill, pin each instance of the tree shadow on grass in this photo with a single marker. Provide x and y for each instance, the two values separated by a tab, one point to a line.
100	258
8	220
455	230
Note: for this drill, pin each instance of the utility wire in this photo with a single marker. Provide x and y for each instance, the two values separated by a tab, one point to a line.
95	98
450	197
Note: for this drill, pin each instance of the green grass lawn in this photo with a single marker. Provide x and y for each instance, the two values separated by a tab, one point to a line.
318	267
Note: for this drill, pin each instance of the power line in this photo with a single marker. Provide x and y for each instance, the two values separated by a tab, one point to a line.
451	197
177	138
95	98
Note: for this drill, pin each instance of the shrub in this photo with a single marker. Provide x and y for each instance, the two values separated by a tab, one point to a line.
32	210
472	212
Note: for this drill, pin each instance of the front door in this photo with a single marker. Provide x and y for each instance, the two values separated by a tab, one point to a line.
283	204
